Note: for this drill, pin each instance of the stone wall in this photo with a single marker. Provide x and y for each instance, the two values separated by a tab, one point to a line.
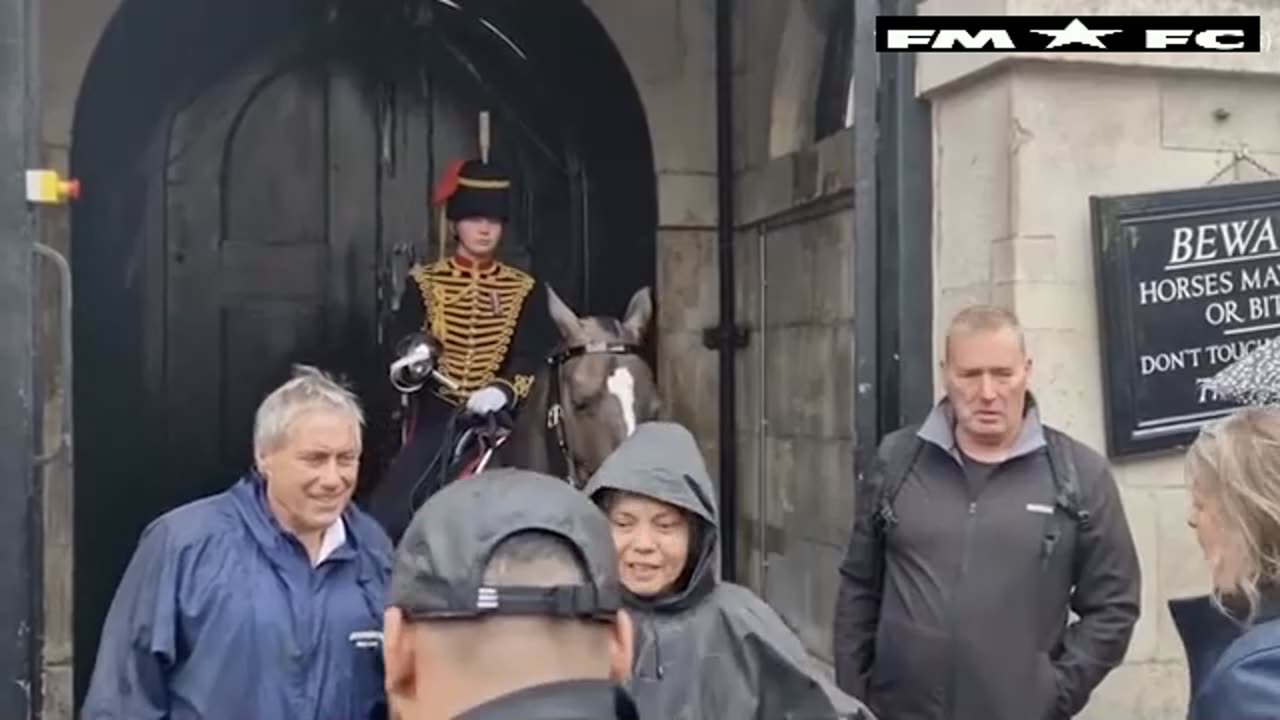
793	293
795	381
1018	151
676	81
70	32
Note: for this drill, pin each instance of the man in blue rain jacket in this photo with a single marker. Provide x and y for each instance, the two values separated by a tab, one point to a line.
263	601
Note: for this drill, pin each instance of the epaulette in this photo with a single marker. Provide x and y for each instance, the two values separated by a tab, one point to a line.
434	267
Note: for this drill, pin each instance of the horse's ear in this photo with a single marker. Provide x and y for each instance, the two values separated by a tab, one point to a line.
564	316
639	313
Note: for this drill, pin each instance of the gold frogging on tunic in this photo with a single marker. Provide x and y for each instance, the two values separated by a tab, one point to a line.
474	312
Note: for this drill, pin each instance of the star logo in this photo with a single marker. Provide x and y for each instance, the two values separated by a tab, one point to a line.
1076	33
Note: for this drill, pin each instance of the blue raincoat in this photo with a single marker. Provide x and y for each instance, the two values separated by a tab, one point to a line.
221	615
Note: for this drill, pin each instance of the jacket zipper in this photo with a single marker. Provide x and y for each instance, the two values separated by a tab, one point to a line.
658	670
954	675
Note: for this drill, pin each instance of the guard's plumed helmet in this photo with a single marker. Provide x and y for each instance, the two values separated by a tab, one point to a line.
475	189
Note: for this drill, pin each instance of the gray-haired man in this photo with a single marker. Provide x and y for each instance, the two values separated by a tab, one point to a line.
977	534
505	603
251	603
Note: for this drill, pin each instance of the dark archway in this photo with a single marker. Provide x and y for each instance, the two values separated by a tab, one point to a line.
255	177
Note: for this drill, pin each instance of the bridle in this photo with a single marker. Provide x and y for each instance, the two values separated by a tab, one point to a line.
555	396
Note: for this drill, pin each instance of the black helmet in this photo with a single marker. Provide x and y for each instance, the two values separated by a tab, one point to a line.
476	189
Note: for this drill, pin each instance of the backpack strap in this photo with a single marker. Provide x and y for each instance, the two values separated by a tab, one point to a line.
883	488
1066	479
897	467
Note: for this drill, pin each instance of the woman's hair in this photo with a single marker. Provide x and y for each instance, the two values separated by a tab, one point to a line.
309	389
1235	466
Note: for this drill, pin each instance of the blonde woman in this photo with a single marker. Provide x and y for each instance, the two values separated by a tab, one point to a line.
1234	474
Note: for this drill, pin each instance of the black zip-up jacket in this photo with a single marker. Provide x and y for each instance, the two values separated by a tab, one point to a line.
972	622
566	700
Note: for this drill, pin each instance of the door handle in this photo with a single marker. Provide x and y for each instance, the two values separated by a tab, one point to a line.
64	301
397	269
392	271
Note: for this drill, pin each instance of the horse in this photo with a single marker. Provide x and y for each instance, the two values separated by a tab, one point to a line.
589	395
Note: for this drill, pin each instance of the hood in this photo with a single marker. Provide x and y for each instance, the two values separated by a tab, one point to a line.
662	461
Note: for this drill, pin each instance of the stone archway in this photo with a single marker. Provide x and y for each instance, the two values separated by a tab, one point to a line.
796	73
675	89
136	153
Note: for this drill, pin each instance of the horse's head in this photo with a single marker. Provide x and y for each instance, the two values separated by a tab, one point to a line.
603	386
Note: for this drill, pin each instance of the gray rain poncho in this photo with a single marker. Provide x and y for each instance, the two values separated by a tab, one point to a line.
710	650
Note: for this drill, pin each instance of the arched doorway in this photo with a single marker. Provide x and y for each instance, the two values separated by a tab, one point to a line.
258	175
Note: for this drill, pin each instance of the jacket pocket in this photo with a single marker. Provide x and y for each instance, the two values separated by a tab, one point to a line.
365	685
910	670
1047	685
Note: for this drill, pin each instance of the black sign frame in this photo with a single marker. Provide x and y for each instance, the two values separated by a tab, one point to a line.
1115	221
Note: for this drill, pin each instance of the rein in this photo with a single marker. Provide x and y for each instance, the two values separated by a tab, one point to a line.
555	396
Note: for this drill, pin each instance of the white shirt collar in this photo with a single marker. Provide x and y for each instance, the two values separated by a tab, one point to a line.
334	537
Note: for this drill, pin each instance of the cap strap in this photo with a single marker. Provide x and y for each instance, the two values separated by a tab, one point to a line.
560	601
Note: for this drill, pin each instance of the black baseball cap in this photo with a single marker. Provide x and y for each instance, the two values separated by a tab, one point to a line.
439	566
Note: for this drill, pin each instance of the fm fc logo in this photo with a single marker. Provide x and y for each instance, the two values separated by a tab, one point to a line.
1039	33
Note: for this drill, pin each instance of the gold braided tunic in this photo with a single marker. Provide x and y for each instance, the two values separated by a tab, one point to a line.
476	313
495	326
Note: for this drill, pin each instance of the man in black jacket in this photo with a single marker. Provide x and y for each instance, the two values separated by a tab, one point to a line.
505	604
975	534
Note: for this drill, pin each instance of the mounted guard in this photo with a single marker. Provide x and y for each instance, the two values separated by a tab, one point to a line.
479	327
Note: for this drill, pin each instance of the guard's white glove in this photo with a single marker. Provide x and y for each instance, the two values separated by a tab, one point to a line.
486	400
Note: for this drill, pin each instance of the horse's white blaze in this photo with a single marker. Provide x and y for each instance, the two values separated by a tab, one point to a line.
623	387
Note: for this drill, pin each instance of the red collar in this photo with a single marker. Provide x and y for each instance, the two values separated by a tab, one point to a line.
463	263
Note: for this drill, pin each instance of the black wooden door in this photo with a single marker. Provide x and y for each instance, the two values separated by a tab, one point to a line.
288	208
261	242
280	209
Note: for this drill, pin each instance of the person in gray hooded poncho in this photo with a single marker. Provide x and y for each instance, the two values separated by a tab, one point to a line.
705	649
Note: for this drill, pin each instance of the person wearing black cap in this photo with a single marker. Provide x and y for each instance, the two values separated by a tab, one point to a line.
492	320
505	604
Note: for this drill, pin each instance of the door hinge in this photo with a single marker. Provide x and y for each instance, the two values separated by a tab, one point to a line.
716	336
